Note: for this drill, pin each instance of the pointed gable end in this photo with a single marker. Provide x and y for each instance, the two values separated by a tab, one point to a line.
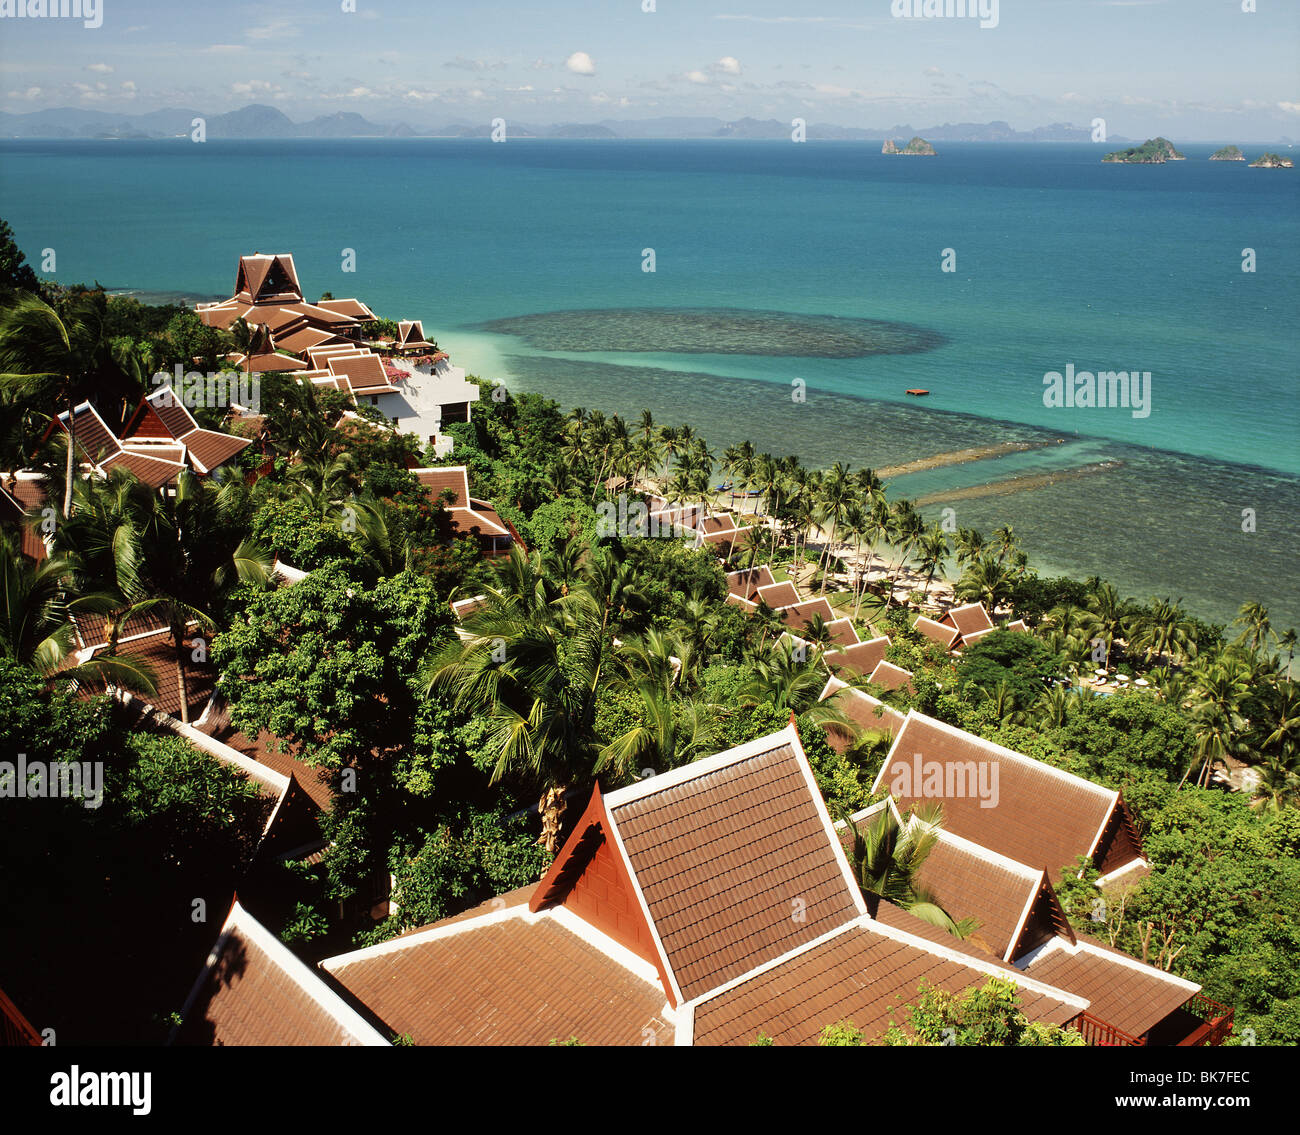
590	878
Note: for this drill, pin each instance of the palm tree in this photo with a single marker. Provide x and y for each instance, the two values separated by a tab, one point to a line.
835	496
887	856
985	581
1279	784
1220	684
192	556
673	733
1053	707
931	553
788	684
1004	703
1254	621
52	359
969	545
37	603
1005	540
1163	631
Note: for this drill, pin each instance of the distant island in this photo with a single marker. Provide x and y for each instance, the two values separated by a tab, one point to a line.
917	146
1228	154
1272	161
1153	151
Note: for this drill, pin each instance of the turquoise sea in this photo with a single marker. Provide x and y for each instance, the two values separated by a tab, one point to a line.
817	262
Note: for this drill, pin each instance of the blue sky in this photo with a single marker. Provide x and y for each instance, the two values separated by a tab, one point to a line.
1190	69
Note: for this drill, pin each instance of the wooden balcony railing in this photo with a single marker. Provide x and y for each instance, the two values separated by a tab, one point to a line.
15	1031
1217	1026
1102	1034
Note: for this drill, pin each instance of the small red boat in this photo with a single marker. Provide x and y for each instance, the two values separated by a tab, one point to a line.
918	393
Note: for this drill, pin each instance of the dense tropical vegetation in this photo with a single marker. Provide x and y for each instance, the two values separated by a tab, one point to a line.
455	757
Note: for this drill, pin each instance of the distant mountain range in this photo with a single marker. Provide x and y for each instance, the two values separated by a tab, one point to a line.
259	121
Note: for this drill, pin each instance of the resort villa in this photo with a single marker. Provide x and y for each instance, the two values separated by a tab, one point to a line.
710	905
408	380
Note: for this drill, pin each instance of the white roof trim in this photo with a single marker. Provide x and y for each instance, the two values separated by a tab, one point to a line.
616	952
1131	865
1024	917
991	748
846	869
617	837
1084	946
444	930
316	990
701	767
1092	848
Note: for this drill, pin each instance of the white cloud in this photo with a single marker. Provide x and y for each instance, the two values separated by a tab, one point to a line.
1289	107
696	77
254	87
580	63
728	65
129	85
99	68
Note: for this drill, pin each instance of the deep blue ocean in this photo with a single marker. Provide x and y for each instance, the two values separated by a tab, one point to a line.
817	262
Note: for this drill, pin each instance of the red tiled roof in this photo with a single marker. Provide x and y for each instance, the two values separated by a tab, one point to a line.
862	709
969	619
94	440
862	975
728	853
454	477
209	449
859	657
889	676
158	651
254	992
746	582
153	471
778	595
352	308
1124	992
940	634
800	614
1042	817
365	373
511	980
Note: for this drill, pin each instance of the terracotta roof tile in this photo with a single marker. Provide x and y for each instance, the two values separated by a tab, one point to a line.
255	992
745	583
736	866
865	711
521	980
1124	992
940	634
889	676
860	657
864	975
969	619
1042	817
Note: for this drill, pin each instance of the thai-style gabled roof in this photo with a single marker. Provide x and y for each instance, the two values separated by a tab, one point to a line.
162	415
889	676
859	657
466	513
1123	991
864	973
778	595
410	335
507	977
364	372
969	619
942	635
799	615
1031	812
746	582
352	308
262	278
254	991
862	709
731	860
93	438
